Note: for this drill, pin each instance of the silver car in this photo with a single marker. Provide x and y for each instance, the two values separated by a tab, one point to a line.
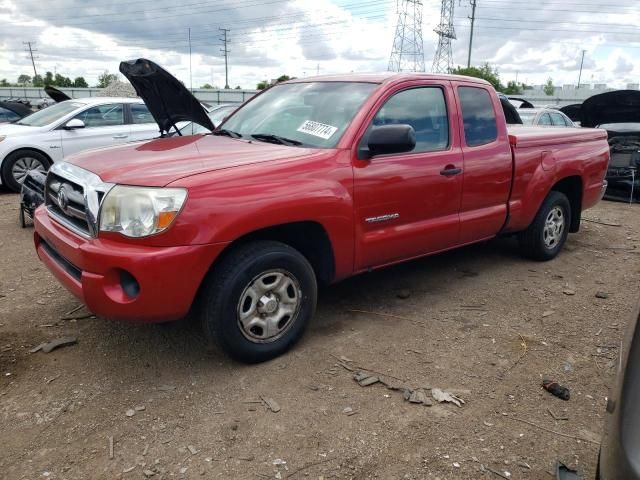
545	117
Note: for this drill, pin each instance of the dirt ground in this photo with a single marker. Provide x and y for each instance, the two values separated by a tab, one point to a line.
479	322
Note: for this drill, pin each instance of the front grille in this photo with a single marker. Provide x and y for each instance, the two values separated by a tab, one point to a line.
66	201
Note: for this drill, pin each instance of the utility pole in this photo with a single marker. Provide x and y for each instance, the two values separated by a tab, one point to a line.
473	21
190	74
581	63
225	52
31	50
443	59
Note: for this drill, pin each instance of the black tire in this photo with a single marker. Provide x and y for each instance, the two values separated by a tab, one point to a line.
219	303
8	178
532	241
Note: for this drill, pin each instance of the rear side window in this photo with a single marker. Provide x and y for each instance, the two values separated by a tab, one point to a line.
7	115
103	115
425	110
140	114
545	119
478	116
558	119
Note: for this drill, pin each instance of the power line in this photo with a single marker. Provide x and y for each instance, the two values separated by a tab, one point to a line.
225	52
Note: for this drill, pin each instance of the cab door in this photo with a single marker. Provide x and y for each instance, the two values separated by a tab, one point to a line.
407	204
104	125
487	162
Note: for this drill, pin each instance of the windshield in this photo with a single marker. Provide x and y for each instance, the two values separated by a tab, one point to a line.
50	114
527	117
314	114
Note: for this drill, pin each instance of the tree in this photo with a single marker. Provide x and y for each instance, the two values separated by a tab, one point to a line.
80	82
283	78
48	78
37	81
548	88
262	85
206	85
485	72
4	83
105	79
513	88
24	79
62	81
238	87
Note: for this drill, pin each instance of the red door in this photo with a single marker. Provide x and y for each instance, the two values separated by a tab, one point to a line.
487	163
408	204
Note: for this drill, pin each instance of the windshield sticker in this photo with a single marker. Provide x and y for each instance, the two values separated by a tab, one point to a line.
317	129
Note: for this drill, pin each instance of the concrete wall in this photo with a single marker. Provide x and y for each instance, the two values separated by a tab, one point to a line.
205	95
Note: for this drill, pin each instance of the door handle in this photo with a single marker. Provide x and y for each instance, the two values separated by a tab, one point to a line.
450	170
120	136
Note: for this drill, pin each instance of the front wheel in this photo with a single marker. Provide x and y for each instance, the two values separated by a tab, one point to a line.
548	232
257	302
17	166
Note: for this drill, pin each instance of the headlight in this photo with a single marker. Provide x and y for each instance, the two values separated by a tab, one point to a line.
140	211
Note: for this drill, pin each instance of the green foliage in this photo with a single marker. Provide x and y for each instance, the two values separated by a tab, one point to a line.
206	85
238	87
24	79
486	72
48	78
283	78
262	85
548	87
105	79
37	81
4	83
80	82
513	88
62	81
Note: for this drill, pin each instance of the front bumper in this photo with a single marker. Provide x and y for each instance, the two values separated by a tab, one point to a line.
120	280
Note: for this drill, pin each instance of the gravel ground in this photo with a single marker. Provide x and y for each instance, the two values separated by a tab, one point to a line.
138	401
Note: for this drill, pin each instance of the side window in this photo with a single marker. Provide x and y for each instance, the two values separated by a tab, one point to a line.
478	116
557	119
425	110
7	115
140	113
103	115
545	119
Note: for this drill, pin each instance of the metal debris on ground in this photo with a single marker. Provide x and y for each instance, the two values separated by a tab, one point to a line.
53	344
442	396
556	389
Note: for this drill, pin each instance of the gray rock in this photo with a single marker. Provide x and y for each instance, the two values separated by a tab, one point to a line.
418	396
130	413
368	381
360	376
403	294
602	295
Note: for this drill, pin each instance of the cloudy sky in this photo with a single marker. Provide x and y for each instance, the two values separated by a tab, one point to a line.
530	41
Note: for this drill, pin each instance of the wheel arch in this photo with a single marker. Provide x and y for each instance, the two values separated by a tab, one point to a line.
572	188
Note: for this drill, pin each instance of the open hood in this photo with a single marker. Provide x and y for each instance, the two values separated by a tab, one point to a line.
17	108
56	94
166	97
620	106
523	103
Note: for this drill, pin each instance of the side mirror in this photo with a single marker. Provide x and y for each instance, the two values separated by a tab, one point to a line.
73	124
387	139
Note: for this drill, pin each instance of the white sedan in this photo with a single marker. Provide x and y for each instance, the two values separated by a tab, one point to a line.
49	135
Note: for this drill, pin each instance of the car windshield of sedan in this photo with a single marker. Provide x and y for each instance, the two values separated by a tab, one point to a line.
527	117
50	114
313	114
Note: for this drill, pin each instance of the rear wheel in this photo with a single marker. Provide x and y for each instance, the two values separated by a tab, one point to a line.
258	301
548	232
17	166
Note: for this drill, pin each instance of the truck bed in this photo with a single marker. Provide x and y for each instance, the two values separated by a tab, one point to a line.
523	137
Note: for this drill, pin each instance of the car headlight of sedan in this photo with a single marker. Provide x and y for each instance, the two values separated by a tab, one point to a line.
140	211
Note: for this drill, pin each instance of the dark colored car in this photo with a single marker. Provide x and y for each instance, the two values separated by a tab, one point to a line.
620	449
13	111
618	113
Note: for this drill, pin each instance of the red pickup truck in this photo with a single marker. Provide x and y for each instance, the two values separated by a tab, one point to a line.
310	182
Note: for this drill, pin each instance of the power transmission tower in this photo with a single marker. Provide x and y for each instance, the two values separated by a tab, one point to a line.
443	60
407	54
473	21
225	52
31	52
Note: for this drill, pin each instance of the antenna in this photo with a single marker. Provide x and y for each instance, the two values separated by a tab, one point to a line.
443	60
407	54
